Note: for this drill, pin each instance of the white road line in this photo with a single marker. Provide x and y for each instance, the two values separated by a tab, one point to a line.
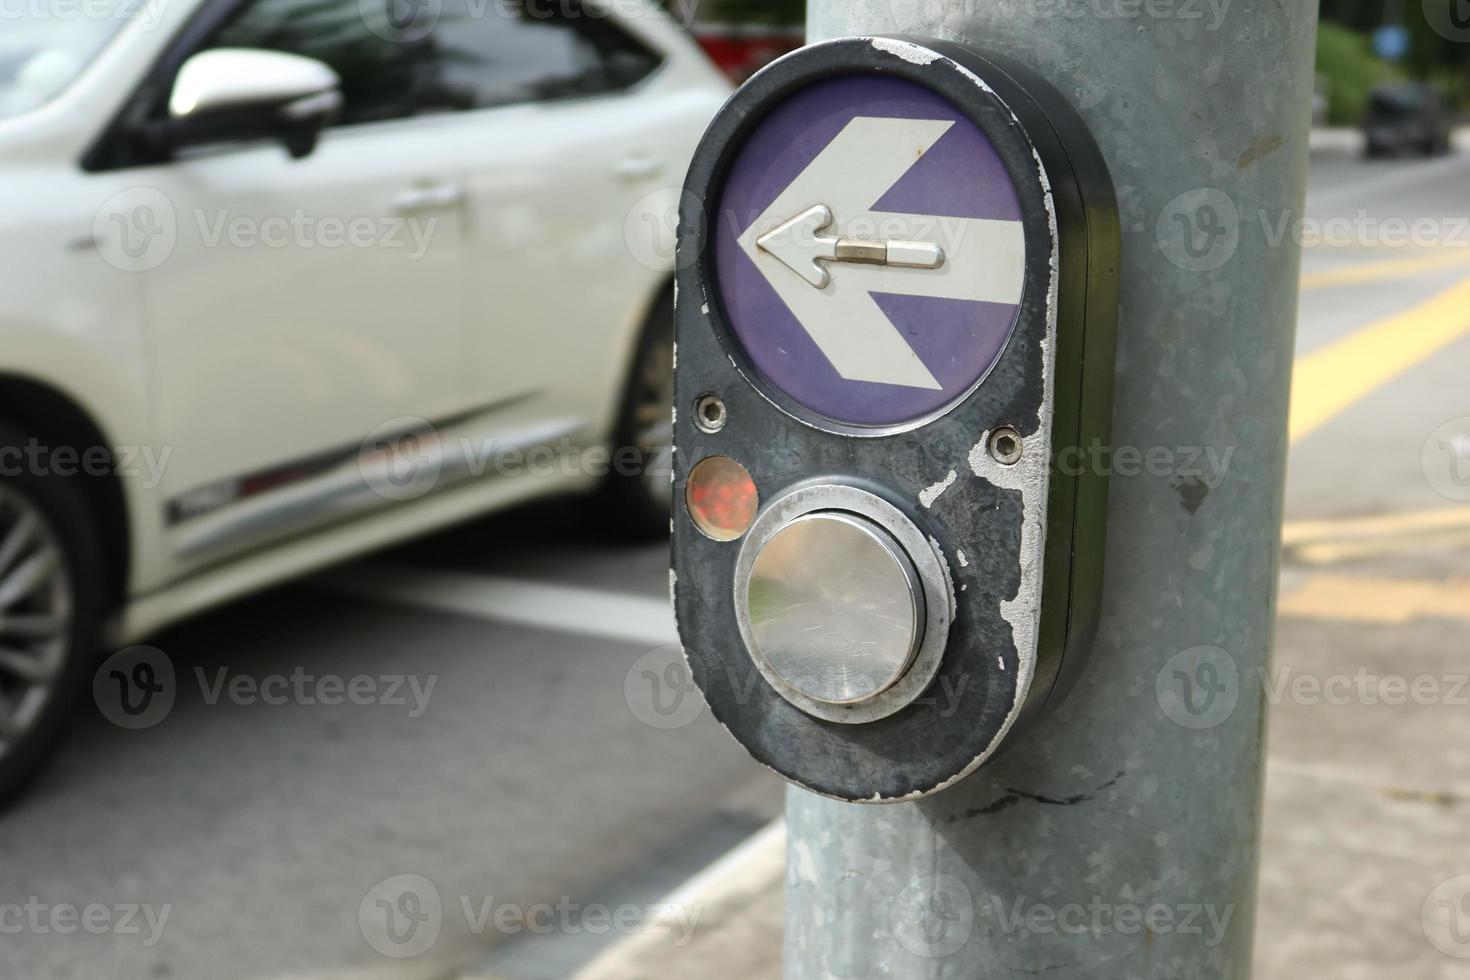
568	609
754	867
702	886
1398	177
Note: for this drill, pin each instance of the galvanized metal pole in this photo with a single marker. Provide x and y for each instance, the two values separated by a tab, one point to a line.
1119	838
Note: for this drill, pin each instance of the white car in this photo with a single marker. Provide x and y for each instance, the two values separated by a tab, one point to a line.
288	280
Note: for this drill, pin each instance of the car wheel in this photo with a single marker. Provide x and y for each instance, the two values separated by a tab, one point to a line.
636	495
50	601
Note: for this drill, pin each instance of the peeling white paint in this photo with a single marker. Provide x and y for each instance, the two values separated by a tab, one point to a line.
1029	476
960	556
911	53
932	492
704	308
949	591
802	861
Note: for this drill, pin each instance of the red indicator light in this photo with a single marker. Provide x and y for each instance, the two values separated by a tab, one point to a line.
721	498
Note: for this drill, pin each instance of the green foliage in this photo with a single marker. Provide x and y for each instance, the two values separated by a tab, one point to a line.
1346	62
1432	57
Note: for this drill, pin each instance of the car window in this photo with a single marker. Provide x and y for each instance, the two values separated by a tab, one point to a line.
401	57
43	49
376	69
506	51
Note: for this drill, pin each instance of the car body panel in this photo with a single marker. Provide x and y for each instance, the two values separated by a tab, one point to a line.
517	323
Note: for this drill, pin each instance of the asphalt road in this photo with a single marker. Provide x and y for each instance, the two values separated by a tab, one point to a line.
527	773
1364	868
551	759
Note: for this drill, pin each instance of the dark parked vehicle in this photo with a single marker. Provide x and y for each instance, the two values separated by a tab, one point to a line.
1407	118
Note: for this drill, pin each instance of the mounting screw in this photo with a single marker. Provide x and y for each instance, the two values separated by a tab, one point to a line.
1005	445
709	414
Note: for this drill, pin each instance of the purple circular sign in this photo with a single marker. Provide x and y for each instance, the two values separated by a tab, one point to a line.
868	251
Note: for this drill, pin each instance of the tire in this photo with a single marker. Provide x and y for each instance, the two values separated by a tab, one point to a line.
51	600
634	502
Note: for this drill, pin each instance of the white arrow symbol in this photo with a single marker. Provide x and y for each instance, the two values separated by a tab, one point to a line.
800	245
979	259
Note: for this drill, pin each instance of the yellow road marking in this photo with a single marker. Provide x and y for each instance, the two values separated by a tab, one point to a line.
1330	541
1387	269
1368	600
1329	380
1377	525
1330	552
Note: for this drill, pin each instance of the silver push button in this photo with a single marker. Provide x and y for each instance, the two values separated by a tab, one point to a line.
835	607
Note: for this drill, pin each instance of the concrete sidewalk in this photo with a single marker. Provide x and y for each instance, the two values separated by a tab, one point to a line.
1367	801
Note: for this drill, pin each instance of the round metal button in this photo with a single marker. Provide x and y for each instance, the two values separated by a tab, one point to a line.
835	607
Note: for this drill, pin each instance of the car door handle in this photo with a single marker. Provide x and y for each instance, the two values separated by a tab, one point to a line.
639	168
434	197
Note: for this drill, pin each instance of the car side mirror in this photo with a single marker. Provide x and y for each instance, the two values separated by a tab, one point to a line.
229	94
